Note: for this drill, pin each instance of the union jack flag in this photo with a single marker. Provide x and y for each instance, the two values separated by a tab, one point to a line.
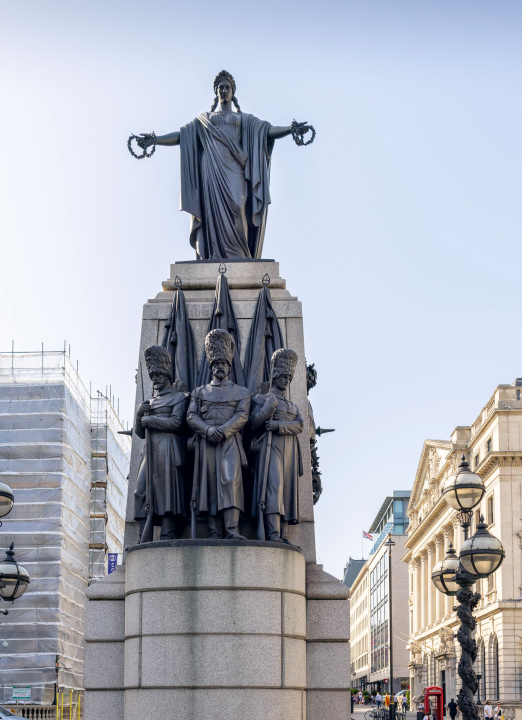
367	535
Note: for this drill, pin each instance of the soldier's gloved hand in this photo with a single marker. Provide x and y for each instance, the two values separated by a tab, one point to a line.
272	425
145	421
143	408
215	435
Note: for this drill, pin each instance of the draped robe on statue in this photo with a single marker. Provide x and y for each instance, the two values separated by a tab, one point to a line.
225	173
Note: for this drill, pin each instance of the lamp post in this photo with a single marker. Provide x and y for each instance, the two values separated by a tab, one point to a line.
389	544
480	556
14	579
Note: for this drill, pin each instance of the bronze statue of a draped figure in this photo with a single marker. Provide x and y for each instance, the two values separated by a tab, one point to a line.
225	173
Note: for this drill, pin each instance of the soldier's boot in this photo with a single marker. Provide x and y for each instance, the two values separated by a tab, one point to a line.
211	525
273	527
231	518
284	534
168	527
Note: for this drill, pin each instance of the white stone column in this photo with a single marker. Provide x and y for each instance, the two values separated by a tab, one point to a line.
424	589
439	597
430	587
448	600
416	595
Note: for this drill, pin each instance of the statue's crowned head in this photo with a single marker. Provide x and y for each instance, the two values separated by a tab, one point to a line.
158	361
224	75
219	347
283	363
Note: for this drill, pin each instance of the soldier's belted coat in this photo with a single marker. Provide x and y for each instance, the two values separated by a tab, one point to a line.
168	410
285	463
227	406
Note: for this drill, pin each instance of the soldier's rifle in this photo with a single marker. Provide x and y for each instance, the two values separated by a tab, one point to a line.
262	497
194	498
148	531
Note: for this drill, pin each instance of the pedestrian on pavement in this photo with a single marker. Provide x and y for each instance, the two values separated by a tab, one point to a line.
488	710
452	707
378	700
498	712
360	698
404	703
387	700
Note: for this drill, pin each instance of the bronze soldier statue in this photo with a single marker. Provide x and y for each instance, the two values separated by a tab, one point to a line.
162	418
276	422
217	413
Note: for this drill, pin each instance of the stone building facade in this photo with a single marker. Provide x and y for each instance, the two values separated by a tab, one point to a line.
370	632
492	445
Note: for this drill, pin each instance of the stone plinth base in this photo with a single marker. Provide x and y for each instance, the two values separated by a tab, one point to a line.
212	629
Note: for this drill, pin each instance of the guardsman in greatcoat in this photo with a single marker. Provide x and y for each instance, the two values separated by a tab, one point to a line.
217	413
164	417
274	413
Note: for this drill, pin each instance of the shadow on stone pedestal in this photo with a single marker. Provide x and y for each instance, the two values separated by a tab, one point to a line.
217	629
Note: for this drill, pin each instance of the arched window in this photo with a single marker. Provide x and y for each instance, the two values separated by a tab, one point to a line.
493	670
481	670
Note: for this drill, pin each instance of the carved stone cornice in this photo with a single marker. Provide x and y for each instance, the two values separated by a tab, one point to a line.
501	458
437	509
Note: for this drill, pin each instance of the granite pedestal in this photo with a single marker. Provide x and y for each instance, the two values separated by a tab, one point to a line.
204	630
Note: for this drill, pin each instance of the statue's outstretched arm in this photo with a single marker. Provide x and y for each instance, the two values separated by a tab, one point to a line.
146	140
278	131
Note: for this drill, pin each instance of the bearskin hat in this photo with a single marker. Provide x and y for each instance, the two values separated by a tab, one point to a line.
283	360
158	360
219	345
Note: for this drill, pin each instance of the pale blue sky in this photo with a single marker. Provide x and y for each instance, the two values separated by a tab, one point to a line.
399	229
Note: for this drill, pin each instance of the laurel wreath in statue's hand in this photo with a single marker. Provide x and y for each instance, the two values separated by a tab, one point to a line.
299	130
144	140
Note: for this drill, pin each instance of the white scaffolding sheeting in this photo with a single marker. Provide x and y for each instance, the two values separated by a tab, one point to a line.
110	469
62	468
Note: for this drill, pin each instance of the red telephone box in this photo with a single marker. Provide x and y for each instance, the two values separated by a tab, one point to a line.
434	702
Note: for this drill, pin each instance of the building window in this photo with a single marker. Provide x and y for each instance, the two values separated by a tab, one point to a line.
477	459
490	511
489	445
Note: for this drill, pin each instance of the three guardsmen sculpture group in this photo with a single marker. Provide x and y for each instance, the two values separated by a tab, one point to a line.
221	433
216	414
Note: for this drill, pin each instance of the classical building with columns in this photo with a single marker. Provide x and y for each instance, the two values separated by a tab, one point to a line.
492	445
376	625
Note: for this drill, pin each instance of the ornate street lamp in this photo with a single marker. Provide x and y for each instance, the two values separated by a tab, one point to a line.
483	553
463	492
480	556
6	500
443	574
14	578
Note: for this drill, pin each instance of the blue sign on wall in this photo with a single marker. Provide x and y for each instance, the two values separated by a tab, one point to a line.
112	562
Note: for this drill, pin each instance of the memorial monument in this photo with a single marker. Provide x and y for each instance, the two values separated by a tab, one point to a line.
220	609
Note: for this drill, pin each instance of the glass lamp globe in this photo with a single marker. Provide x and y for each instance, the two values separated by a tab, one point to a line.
14	579
465	489
483	553
6	499
443	574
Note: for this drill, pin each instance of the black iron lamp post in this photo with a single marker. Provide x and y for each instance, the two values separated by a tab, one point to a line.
389	544
480	556
14	579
